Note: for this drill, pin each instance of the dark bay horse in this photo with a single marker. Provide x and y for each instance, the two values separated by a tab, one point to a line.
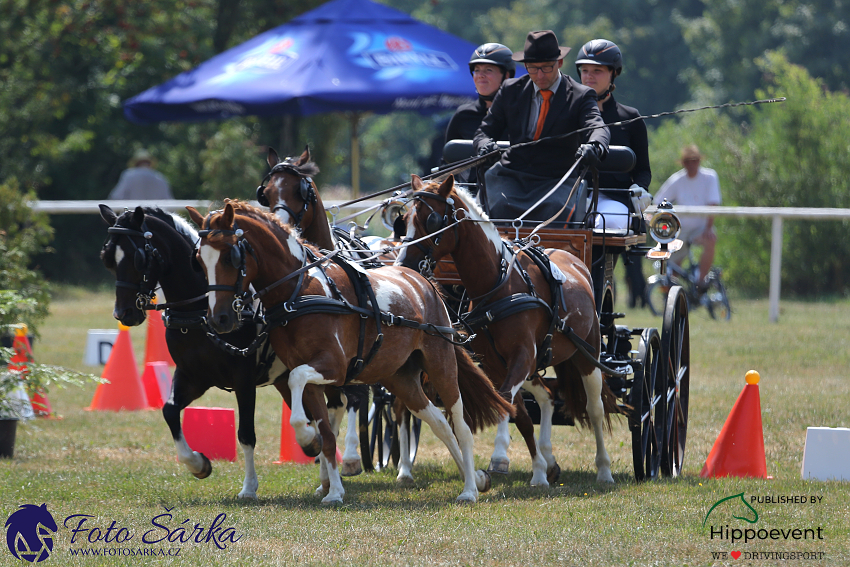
147	248
320	327
511	346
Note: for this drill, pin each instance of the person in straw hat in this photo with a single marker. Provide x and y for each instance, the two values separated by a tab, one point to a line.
539	106
141	181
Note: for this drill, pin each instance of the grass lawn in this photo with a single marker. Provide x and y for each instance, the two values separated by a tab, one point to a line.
121	469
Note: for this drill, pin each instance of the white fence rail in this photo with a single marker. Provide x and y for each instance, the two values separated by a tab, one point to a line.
777	214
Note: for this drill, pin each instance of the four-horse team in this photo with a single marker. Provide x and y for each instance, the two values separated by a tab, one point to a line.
274	295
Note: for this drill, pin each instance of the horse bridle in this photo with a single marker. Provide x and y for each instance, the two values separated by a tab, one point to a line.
306	191
143	260
238	253
434	223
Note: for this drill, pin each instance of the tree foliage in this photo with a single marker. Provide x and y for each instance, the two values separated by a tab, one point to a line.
67	66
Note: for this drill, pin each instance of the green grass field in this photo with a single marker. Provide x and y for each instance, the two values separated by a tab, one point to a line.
121	469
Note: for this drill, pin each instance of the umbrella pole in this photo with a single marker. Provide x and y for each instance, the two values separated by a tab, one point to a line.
355	155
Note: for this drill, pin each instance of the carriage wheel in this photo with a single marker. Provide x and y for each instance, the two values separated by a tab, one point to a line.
647	398
363	431
382	430
675	372
718	301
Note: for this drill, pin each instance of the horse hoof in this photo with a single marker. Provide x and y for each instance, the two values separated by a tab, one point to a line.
553	474
351	468
247	496
405	481
499	466
332	501
314	448
466	499
483	481
206	470
321	491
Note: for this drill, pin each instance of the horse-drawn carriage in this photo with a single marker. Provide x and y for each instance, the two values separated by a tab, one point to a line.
648	381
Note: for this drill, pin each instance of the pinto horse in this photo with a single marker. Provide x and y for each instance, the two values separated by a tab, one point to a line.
323	343
513	335
149	247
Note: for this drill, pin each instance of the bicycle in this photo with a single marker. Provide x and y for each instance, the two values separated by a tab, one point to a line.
714	297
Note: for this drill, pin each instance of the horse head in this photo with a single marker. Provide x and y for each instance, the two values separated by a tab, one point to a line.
137	253
432	213
290	193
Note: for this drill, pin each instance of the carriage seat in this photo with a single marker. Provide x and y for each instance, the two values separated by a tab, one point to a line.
619	159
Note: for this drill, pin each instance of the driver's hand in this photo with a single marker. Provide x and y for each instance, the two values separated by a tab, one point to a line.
589	153
488	147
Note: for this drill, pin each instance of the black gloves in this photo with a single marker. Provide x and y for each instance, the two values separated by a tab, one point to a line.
591	154
488	147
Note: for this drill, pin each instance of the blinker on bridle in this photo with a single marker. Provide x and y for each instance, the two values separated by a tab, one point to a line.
143	259
305	190
238	252
434	223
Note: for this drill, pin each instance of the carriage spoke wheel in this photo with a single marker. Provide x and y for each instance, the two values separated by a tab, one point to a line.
379	431
647	398
675	373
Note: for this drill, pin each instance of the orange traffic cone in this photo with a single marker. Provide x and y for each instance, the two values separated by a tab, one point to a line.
124	390
211	431
157	382
23	355
739	449
290	450
156	349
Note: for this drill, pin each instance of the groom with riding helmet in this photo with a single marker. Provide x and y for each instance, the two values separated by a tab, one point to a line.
543	104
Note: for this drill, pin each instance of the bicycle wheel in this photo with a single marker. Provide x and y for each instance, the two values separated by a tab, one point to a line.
656	296
718	301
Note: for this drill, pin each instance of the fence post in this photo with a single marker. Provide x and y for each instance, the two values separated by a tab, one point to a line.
775	268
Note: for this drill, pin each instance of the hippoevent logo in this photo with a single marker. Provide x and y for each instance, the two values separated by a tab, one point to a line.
735	520
29	533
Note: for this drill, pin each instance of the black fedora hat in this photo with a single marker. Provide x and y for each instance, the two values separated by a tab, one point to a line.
541	46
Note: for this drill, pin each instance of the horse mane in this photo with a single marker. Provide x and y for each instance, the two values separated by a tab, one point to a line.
244	208
308	169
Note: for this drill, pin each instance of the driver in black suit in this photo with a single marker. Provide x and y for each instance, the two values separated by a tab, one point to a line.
519	104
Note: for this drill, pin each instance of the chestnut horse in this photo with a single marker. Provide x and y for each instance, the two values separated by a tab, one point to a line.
517	323
323	343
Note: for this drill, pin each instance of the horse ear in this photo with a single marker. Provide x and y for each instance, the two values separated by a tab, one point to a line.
227	216
416	181
272	158
196	217
446	186
108	215
305	156
139	216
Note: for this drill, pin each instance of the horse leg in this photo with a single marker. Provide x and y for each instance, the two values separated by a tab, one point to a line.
246	398
299	380
499	460
596	412
526	428
405	466
183	393
350	458
546	402
305	435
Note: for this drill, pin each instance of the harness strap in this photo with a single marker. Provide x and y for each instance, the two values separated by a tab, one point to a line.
504	308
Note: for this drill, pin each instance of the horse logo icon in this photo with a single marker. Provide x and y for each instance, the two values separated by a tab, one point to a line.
746	510
29	533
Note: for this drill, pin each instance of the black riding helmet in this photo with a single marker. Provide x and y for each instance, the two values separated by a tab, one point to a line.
600	52
494	54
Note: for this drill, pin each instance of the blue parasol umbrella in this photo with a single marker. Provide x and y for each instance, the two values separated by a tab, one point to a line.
346	55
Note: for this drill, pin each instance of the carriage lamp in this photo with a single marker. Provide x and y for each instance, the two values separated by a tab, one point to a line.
664	227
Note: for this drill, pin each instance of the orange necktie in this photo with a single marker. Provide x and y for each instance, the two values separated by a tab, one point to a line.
544	110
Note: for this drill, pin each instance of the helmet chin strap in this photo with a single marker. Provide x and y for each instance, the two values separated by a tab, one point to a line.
604	95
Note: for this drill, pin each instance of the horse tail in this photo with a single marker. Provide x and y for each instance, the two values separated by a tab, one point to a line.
571	389
482	404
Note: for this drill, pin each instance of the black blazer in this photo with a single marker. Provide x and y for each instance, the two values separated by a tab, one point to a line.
572	107
632	135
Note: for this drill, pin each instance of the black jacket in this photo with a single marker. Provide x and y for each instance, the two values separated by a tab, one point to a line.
572	107
466	120
632	135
